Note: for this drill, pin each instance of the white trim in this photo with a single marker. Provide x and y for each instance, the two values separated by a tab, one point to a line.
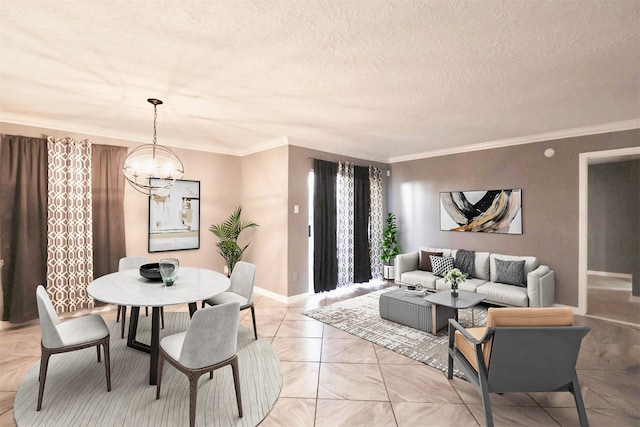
528	139
583	203
608	274
280	298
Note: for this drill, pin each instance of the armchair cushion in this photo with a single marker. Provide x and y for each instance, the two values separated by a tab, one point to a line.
468	350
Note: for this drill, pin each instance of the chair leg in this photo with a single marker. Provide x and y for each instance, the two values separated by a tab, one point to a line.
577	395
118	314
124	316
98	350
486	402
160	362
44	363
253	317
236	382
193	397
162	316
107	361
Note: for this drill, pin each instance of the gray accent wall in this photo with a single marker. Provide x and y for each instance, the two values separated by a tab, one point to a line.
549	200
614	219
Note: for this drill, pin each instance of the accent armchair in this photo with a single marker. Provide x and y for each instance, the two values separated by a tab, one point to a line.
521	350
210	343
74	334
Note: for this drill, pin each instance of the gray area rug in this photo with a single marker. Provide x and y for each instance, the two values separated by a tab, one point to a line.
76	391
360	316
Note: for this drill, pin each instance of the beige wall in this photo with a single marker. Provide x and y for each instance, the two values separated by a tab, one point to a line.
264	193
549	200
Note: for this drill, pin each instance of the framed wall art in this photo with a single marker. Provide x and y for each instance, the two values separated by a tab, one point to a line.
174	218
488	211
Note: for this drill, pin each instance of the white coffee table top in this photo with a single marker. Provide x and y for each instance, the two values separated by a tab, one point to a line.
130	289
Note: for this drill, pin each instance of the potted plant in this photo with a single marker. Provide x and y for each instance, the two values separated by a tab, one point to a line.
228	232
390	247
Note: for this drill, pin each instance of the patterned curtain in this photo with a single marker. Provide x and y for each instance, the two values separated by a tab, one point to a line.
376	220
345	212
69	224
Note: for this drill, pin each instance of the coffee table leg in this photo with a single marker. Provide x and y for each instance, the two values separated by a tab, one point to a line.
434	327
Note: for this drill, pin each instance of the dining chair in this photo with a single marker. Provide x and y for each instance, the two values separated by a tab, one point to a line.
132	263
210	343
240	291
74	334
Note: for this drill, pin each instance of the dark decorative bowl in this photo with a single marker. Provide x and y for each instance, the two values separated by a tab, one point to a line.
150	271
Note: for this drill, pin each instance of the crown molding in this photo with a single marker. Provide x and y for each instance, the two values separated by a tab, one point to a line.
540	137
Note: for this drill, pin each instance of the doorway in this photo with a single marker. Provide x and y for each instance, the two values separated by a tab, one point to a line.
600	293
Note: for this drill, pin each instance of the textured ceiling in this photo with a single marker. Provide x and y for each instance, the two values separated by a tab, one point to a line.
380	80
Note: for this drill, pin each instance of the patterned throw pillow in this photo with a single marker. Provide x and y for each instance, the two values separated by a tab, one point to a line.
465	262
510	272
425	262
441	264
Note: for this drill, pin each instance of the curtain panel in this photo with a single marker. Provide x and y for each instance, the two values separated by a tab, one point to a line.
107	193
376	220
325	262
70	225
23	224
360	220
345	215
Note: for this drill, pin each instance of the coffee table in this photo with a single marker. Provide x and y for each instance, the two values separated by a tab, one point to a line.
443	298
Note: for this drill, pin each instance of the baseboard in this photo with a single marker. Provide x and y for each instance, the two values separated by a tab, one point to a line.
634	299
280	298
608	274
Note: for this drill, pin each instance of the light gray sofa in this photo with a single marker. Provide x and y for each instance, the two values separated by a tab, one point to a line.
540	280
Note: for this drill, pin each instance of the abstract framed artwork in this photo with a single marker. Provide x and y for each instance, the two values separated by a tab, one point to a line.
174	218
489	211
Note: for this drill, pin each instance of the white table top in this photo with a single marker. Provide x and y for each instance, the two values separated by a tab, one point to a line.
131	289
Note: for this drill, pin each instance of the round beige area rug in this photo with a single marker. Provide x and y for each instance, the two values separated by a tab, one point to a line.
76	390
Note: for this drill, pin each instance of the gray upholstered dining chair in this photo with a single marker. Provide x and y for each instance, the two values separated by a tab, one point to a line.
240	291
132	263
211	342
74	334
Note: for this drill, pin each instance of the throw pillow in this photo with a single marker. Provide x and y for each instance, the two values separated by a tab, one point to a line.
510	272
441	265
425	262
465	261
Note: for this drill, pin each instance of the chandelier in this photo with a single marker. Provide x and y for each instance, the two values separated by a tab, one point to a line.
152	168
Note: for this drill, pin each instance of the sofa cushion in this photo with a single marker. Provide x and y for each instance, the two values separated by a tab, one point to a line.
465	262
445	252
425	261
419	277
469	285
500	293
530	263
510	272
441	264
481	270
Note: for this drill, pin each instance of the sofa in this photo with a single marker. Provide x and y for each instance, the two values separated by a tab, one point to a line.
537	288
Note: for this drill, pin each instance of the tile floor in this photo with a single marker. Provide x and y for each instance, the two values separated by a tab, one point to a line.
333	379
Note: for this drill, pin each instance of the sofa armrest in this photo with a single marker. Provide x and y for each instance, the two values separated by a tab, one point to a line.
406	262
541	287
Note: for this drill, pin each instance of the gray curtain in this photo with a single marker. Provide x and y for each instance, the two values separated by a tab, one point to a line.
361	209
325	258
23	224
107	189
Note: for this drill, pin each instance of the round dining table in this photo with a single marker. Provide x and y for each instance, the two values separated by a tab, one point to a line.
128	288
